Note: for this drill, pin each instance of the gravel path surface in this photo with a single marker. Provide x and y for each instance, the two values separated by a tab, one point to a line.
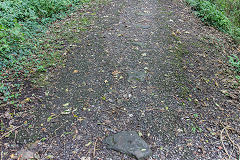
130	72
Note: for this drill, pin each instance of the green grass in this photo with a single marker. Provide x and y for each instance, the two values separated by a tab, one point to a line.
22	24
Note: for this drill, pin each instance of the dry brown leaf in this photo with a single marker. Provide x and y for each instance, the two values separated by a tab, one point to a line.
75	71
115	73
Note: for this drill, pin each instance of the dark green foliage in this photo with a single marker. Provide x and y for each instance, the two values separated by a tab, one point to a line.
22	22
231	8
212	15
235	63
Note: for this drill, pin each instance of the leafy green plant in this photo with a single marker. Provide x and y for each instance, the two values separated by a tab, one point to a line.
235	63
231	8
210	14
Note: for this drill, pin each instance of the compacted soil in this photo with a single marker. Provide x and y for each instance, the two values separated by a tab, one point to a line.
135	65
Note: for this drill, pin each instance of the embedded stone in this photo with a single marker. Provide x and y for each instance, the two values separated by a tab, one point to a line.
136	76
130	143
143	26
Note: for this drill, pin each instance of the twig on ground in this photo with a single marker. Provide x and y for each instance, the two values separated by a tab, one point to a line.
49	145
19	157
94	149
5	134
233	143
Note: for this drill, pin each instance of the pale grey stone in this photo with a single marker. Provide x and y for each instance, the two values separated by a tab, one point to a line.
129	142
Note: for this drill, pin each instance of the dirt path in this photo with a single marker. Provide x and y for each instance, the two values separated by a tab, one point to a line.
128	72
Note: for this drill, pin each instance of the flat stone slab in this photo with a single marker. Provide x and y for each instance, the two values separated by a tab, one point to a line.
129	142
134	76
138	44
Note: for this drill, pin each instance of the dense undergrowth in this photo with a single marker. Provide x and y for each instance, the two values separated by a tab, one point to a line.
224	15
22	23
219	16
231	9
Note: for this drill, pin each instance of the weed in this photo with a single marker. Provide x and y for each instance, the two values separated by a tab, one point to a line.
235	63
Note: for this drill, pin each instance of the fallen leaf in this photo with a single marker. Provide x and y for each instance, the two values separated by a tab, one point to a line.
50	117
85	158
66	104
12	156
178	32
75	71
174	34
44	129
220	147
115	73
204	104
88	144
46	93
104	98
68	111
107	121
238	48
27	99
81	119
90	90
49	156
216	83
121	77
120	35
224	92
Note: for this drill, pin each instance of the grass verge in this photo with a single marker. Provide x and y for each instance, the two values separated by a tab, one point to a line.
224	15
212	15
22	24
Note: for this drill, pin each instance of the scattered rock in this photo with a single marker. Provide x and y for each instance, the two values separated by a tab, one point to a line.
140	44
129	142
136	76
143	26
25	154
85	158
